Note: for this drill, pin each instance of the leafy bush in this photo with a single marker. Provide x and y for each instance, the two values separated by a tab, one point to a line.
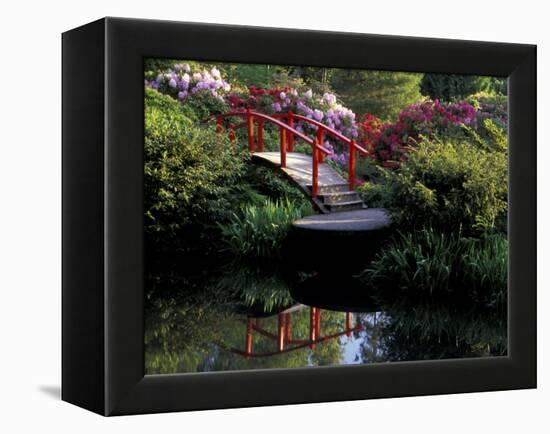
454	187
258	231
433	262
189	172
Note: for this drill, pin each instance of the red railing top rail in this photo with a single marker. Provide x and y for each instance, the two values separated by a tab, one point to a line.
280	124
330	131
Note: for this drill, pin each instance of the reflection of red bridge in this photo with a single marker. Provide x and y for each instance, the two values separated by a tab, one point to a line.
283	340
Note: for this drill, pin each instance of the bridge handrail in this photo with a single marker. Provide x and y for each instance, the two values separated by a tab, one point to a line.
288	134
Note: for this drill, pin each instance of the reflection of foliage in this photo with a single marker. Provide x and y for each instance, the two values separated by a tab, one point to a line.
429	330
179	335
438	263
256	288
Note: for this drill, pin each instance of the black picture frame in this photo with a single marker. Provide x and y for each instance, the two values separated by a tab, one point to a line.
103	316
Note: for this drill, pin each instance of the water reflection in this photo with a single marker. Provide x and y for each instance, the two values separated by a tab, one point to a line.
245	317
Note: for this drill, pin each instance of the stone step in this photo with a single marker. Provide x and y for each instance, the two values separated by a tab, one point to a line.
345	206
331	188
344	196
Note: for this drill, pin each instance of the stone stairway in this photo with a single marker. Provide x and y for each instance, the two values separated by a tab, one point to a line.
338	198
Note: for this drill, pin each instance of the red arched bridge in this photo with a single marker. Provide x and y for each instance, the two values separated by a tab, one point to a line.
328	190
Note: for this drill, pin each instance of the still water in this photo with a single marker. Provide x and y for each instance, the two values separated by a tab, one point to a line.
239	317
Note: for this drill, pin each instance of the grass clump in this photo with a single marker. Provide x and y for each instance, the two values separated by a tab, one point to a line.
436	263
259	231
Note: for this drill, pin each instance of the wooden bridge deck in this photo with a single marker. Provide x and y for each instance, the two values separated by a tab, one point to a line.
300	168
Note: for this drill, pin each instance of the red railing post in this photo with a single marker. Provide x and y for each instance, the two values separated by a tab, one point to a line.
351	169
250	130
248	347
260	124
281	333
283	147
312	327
349	323
318	323
315	174
219	124
232	137
320	140
288	332
290	135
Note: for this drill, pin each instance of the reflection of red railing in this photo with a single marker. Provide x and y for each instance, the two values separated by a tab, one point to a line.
288	134
283	339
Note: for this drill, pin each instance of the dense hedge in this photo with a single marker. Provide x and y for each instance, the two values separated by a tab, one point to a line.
189	171
454	187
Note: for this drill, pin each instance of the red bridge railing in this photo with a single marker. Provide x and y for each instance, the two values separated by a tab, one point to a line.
288	135
283	340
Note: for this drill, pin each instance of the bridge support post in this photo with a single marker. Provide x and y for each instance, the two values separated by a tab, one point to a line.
283	147
320	140
288	331
260	124
312	327
315	174
290	135
351	169
281	333
250	130
232	137
248	346
349	323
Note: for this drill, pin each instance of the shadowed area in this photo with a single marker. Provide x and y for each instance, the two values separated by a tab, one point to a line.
51	391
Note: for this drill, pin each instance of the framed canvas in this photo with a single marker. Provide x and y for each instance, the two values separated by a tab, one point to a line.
401	217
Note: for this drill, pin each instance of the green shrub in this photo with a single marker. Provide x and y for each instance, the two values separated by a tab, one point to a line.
189	172
258	231
433	262
455	187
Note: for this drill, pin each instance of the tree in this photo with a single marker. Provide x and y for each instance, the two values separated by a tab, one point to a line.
449	87
382	93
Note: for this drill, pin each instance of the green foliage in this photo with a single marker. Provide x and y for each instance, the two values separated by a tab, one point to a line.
451	87
189	171
202	106
434	262
256	287
258	231
382	93
275	186
454	187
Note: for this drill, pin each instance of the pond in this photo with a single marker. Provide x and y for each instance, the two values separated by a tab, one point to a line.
242	316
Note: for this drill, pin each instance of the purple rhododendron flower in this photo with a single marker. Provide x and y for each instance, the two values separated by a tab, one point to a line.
276	107
172	83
